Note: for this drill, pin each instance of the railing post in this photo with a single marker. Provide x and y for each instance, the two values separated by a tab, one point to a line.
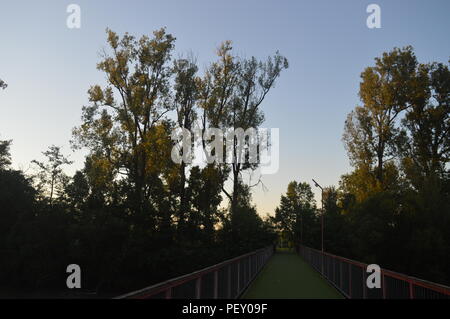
198	288
262	260
168	293
257	263
229	281
364	282
350	280
334	269
384	284
411	290
238	278
216	284
321	257
250	275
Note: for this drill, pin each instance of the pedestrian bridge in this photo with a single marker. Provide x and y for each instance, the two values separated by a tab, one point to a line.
286	274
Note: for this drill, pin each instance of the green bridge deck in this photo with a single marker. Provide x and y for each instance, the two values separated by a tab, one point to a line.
287	276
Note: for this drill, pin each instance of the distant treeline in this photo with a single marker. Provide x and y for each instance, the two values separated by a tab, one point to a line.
393	209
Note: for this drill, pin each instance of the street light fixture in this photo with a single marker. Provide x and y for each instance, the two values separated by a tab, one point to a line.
321	217
321	188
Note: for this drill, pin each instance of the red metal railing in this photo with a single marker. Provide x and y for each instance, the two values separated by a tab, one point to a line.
226	280
349	277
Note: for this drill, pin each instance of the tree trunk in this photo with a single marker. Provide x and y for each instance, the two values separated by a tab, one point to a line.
234	200
182	208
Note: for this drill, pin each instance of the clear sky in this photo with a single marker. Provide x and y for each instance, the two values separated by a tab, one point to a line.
49	67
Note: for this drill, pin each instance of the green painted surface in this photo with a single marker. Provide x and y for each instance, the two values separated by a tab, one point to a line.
287	276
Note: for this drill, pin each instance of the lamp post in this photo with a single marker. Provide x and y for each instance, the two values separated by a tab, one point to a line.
317	185
321	216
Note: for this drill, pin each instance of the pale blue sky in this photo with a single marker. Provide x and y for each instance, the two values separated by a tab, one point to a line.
49	67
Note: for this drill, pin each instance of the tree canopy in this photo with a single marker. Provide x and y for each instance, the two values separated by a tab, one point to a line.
132	216
393	208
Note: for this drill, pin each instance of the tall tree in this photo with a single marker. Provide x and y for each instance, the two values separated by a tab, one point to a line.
204	194
335	222
371	130
235	89
427	125
120	125
254	81
51	177
186	87
77	190
215	96
5	155
295	215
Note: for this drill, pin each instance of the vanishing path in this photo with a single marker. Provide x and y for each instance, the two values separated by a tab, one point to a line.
287	276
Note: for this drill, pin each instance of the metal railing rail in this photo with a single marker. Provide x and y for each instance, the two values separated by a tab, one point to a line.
350	276
226	280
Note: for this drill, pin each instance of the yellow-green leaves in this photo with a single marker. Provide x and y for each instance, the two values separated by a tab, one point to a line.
113	39
95	94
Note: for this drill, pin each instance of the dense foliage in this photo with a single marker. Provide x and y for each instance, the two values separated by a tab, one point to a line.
132	216
393	209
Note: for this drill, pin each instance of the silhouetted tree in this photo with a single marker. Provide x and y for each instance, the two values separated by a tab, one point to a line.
50	176
296	214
